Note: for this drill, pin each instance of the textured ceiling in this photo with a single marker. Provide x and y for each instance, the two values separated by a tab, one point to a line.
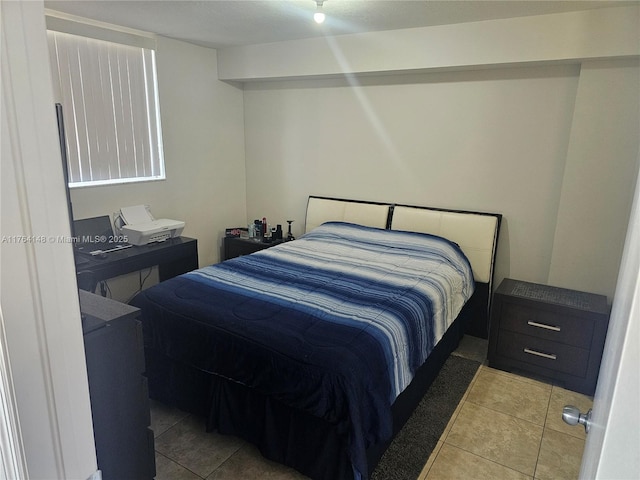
219	24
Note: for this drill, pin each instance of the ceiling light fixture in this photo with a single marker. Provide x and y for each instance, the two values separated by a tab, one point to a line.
319	16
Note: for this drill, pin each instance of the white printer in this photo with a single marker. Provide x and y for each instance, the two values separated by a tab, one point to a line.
140	228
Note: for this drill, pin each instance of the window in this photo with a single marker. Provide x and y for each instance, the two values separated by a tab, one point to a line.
110	102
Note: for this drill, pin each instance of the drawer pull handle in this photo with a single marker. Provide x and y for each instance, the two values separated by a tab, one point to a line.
550	356
543	325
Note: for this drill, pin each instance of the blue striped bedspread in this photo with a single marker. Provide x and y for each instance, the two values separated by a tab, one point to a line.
335	323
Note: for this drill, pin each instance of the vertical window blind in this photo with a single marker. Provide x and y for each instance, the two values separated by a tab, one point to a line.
110	103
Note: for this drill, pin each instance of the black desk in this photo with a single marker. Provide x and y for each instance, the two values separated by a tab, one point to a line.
173	257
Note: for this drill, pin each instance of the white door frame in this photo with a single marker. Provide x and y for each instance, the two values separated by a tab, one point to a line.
44	379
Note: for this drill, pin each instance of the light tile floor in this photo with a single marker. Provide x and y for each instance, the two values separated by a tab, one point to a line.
505	427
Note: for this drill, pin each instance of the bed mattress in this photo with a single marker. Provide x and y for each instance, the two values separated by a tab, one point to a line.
334	324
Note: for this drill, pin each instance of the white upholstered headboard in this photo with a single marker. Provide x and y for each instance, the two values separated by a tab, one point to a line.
475	234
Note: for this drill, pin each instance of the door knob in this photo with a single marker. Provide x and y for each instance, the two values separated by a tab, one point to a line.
572	416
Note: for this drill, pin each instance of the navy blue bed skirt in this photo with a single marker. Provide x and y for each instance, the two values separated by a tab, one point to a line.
311	445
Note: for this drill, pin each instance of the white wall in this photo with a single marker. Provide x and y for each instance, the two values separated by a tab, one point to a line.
38	295
494	140
572	36
495	134
202	125
599	177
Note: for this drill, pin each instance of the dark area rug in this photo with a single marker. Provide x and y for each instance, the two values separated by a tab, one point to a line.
410	450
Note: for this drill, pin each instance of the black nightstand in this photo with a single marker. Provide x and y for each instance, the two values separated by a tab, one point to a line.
236	247
550	332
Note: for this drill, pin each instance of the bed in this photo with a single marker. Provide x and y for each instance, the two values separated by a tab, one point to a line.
318	350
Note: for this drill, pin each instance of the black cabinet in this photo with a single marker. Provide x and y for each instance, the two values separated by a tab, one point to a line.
118	389
236	247
550	332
